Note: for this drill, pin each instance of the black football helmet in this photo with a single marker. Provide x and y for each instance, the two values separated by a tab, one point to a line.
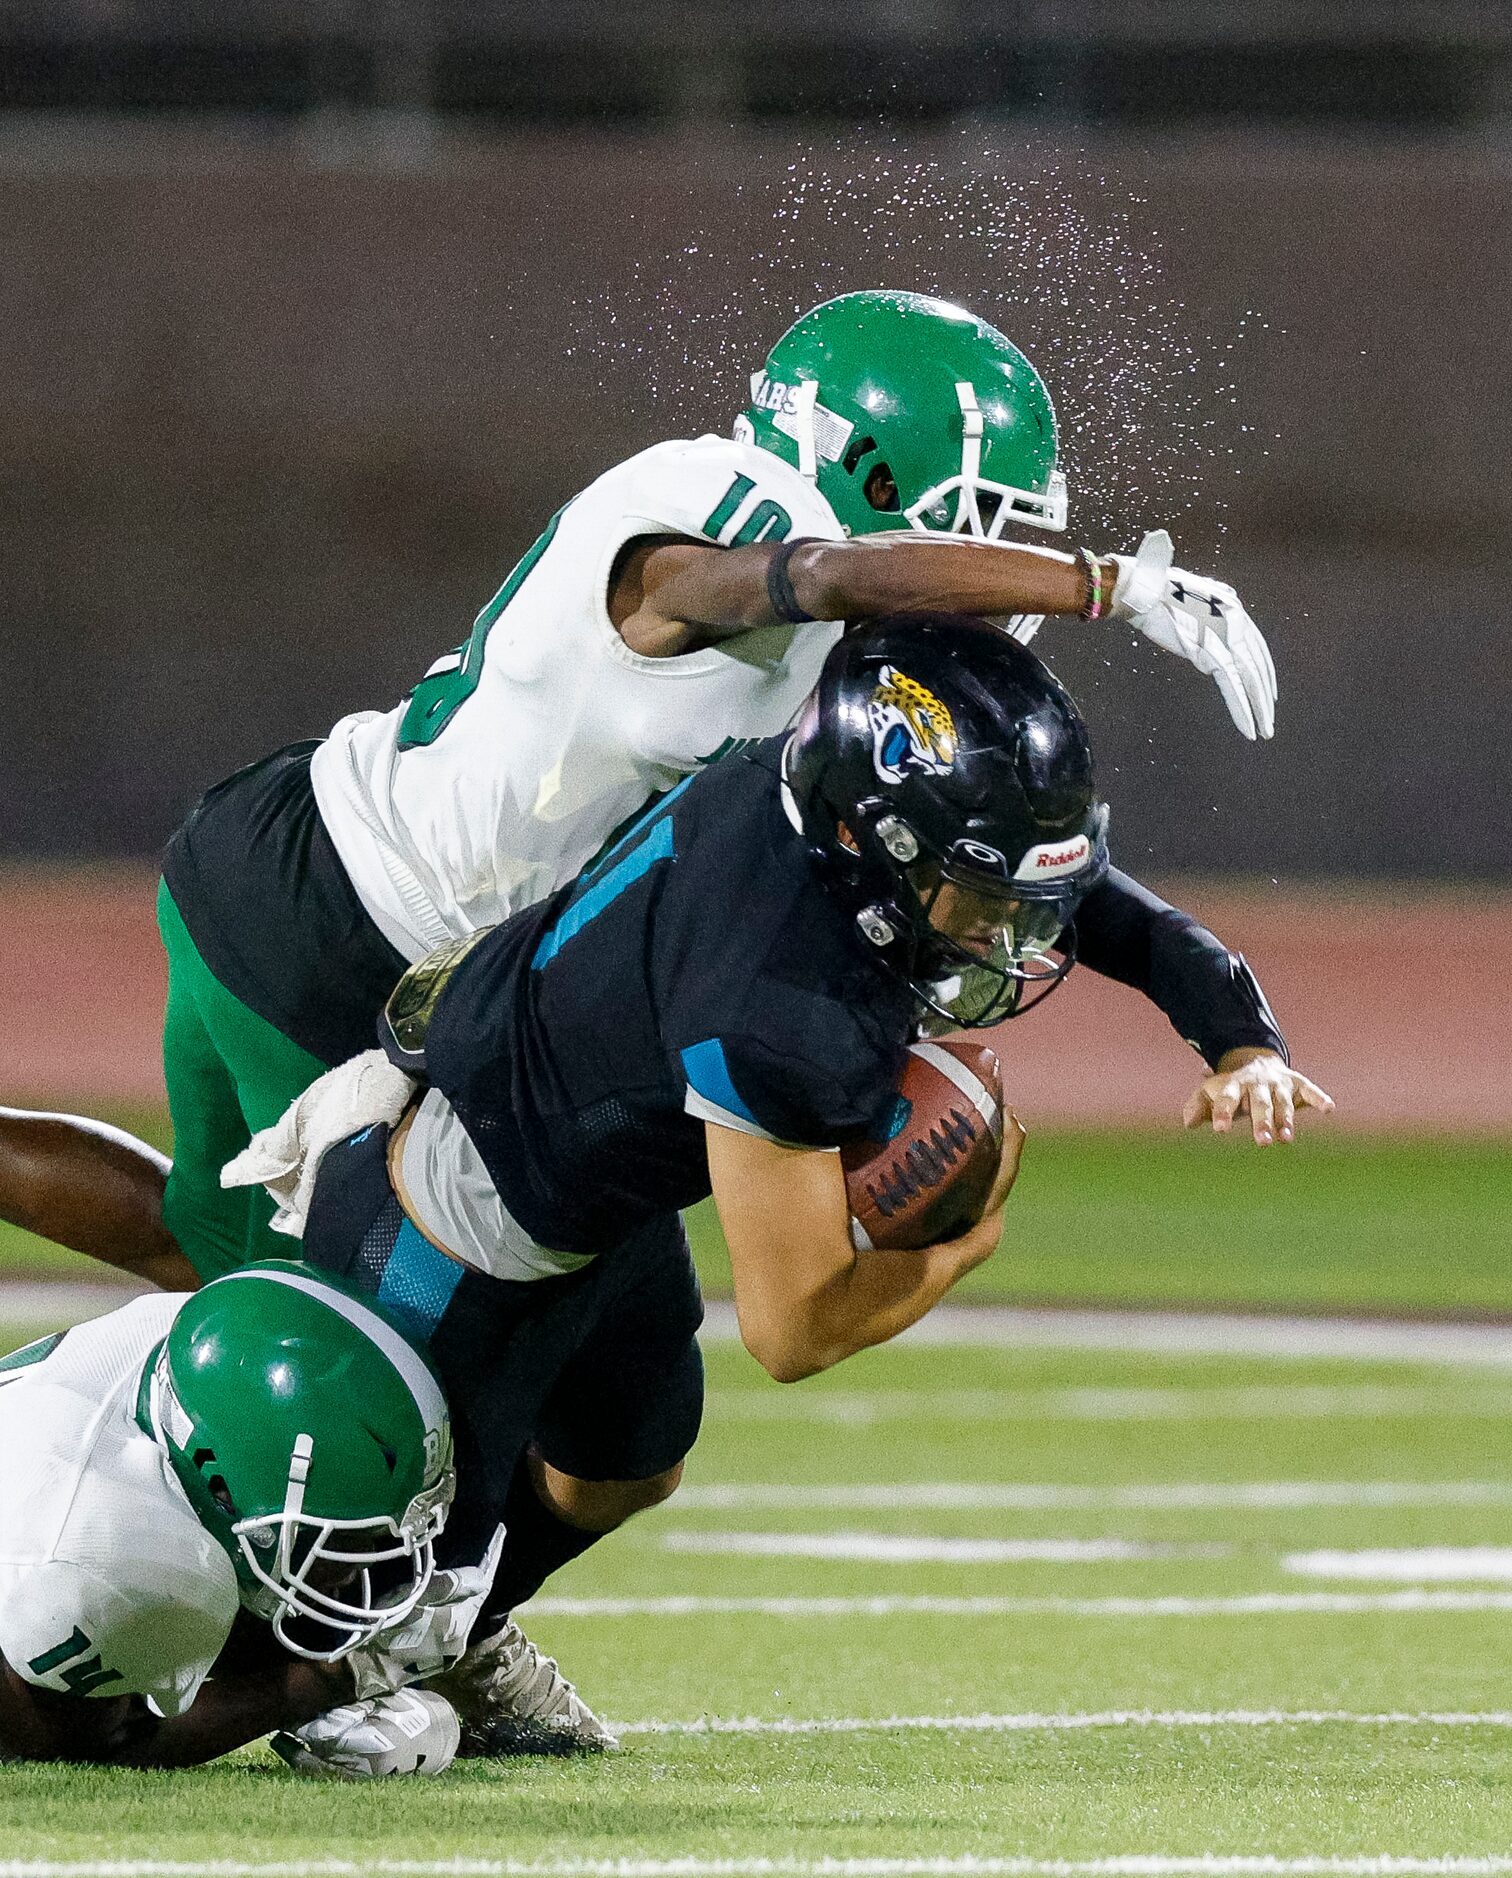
942	776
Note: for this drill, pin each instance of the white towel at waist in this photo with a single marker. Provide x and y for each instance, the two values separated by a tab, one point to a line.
285	1158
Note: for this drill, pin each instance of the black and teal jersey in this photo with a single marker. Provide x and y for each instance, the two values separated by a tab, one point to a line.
703	971
700	971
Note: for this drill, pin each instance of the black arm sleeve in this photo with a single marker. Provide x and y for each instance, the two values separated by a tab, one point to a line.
1211	996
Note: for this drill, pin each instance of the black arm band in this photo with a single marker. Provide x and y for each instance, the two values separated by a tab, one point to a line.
784	602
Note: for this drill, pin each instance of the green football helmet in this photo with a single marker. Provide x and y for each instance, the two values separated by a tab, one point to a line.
907	409
313	1442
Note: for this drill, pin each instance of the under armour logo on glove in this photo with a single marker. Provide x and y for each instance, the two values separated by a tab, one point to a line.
1203	622
1180	591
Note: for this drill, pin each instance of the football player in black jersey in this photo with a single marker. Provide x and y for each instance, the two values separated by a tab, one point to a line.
724	999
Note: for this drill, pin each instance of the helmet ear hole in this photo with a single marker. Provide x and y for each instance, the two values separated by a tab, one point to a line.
221	1494
881	490
857	448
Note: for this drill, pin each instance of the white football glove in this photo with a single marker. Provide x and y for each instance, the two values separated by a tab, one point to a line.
1204	622
414	1731
434	1634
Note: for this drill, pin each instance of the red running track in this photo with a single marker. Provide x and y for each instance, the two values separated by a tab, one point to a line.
1399	1003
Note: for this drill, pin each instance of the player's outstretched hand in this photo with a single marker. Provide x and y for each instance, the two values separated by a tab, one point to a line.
1204	622
1257	1083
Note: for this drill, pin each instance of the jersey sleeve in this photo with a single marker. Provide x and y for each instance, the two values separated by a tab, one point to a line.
1211	996
713	489
68	1628
745	1083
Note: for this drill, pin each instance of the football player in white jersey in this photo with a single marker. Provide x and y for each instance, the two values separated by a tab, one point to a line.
63	1176
203	1541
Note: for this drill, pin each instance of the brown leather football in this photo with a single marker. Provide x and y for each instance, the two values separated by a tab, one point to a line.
930	1177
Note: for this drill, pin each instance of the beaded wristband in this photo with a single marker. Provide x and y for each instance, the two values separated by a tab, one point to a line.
1097	575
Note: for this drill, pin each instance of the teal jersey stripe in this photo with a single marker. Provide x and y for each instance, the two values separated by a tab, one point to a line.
708	1075
632	826
657	846
418	1282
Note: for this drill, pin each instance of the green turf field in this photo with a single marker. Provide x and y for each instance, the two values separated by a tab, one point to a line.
977	1610
1043	1723
1332	1223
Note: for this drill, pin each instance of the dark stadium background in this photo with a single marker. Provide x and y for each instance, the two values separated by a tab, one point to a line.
310	313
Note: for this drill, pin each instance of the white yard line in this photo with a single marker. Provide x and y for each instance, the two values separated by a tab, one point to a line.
1432	1564
906	1548
961	1865
1415	1602
1180	1333
1034	1724
1055	1496
859	1408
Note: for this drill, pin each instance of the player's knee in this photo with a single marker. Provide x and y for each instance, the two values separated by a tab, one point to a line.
637	1496
601	1505
657	1488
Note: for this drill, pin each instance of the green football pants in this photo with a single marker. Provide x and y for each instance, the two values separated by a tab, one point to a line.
229	1073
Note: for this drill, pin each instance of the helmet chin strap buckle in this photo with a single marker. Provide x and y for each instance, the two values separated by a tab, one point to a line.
875	926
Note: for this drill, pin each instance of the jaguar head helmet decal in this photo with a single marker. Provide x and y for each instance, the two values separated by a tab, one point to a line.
912	729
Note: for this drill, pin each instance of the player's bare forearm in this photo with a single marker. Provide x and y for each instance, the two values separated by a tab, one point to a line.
913	573
880	1294
230	1711
37	1725
92	1188
805	1298
255	1688
671	597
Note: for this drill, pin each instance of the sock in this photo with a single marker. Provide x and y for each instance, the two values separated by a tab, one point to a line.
536	1543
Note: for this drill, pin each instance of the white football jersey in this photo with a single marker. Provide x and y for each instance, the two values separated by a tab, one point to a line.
109	1584
518	755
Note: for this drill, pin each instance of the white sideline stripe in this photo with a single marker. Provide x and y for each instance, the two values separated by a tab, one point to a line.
961	1865
42	1305
896	1548
1435	1564
1023	1496
24	1303
1035	1724
1258	1604
1181	1333
854	1408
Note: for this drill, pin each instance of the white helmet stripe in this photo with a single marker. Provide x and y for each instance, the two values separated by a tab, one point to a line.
421	1383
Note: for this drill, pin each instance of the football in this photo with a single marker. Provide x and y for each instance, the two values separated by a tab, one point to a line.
929	1175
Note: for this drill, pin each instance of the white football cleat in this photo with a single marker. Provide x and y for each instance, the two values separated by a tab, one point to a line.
512	1700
